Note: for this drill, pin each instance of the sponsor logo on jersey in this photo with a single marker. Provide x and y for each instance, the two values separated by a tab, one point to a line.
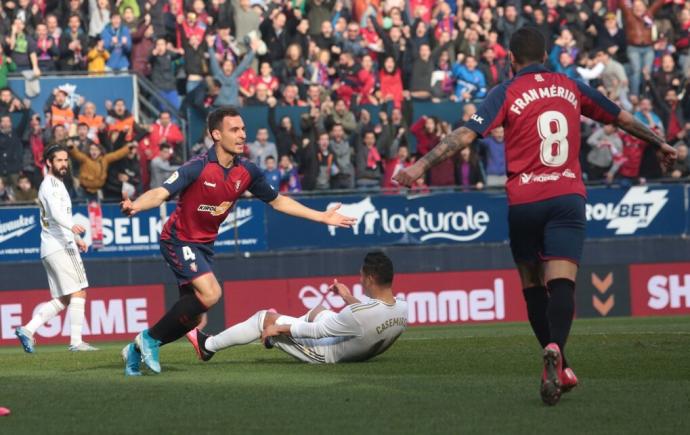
539	178
569	174
539	77
16	227
531	177
478	119
636	210
215	210
458	225
171	179
193	267
239	217
209	184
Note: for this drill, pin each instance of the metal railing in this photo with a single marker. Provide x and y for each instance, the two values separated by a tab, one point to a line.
151	104
147	99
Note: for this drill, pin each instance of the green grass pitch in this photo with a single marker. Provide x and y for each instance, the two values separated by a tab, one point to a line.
634	373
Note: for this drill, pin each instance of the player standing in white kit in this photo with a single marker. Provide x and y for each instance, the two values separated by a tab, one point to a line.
60	246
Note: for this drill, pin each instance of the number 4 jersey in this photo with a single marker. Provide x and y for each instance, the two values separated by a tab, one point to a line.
540	111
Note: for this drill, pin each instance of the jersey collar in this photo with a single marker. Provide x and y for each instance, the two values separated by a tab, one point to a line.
534	68
213	157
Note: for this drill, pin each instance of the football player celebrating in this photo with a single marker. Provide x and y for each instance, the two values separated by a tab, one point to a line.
209	185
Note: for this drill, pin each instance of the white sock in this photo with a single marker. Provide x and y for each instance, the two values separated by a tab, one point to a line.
46	312
76	319
242	333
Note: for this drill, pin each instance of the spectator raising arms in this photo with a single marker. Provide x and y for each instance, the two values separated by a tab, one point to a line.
228	74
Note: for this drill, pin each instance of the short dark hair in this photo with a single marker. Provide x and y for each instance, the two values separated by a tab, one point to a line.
165	146
50	152
378	266
215	119
270	158
528	45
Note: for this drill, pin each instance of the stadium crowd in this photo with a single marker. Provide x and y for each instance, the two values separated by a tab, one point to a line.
347	62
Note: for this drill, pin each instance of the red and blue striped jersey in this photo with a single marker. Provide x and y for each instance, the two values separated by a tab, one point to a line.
540	111
208	191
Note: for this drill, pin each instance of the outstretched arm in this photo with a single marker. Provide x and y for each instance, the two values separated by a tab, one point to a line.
449	145
289	206
151	199
632	125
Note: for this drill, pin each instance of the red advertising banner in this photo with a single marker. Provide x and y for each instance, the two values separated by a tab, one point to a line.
433	298
660	289
112	313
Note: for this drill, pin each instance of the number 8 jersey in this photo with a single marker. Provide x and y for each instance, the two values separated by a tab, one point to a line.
540	111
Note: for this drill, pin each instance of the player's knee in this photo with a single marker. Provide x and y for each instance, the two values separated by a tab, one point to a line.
531	275
210	296
311	316
269	318
79	294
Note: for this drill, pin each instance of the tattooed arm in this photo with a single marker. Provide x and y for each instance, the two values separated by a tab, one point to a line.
449	145
630	124
626	121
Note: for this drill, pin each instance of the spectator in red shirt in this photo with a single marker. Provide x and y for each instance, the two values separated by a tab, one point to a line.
189	27
425	131
391	85
246	83
267	78
422	9
626	166
399	160
367	82
166	131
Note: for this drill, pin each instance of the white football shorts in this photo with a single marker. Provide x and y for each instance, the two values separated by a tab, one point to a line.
66	274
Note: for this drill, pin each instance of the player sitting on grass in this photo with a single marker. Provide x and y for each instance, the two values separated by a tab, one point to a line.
359	332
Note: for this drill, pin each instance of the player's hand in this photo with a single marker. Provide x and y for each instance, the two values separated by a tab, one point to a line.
78	229
667	155
340	289
331	217
407	176
127	206
270	331
83	247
